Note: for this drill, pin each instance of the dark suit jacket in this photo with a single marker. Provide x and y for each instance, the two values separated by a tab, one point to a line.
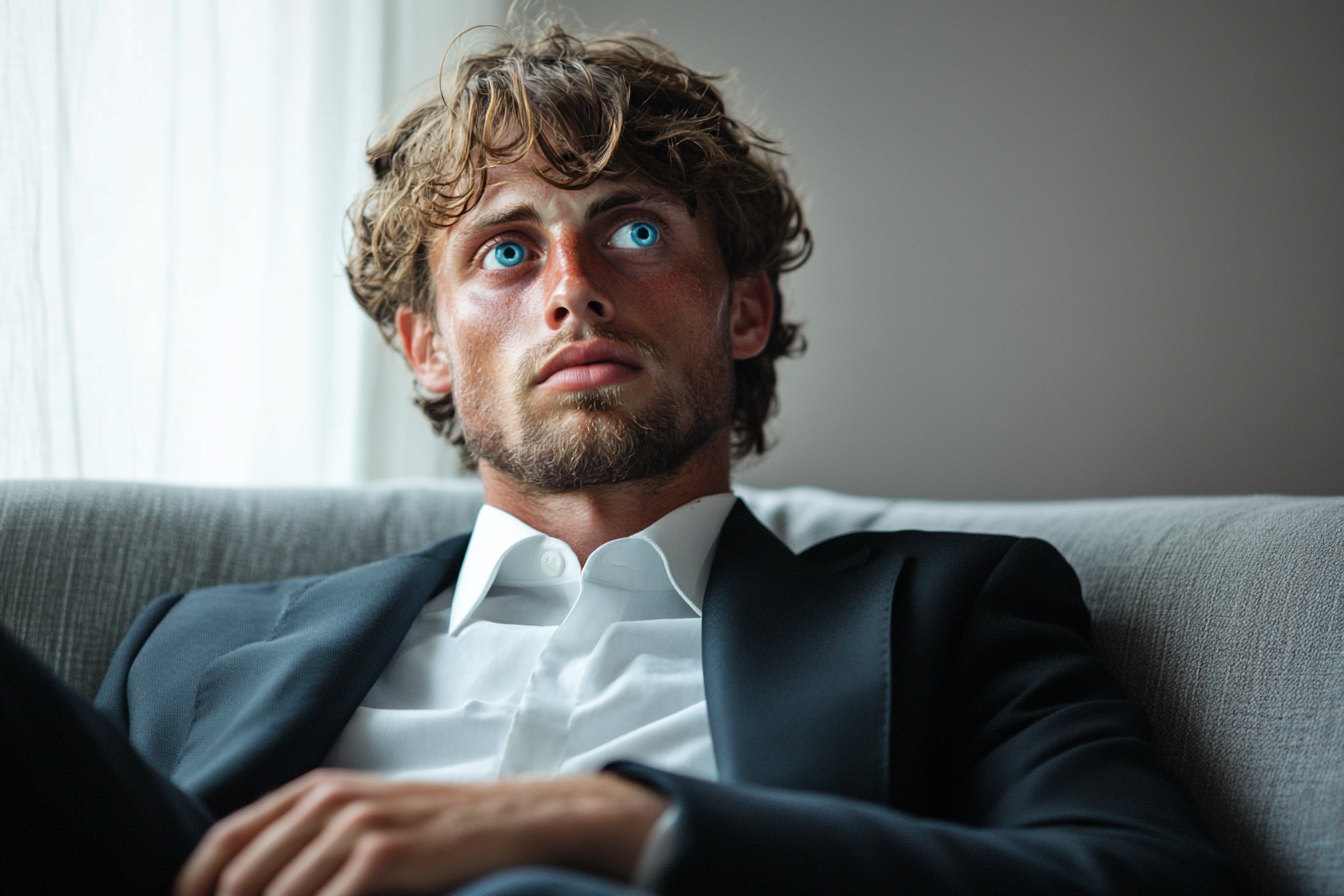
891	712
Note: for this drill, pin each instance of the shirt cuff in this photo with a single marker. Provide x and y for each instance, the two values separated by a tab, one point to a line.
659	849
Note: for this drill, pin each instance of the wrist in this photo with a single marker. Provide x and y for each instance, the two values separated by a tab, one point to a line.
604	825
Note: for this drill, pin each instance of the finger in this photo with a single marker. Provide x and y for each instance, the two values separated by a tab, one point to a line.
360	872
267	855
228	837
328	799
349	834
390	846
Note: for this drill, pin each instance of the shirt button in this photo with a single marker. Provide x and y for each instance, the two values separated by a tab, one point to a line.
552	563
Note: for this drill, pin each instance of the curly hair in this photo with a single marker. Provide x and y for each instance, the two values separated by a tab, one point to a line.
582	109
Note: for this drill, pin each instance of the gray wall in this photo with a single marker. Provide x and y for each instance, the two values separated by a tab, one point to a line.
1063	250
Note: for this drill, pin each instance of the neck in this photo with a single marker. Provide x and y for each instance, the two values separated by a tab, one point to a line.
588	518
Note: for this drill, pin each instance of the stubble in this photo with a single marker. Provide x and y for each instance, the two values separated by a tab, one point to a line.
595	439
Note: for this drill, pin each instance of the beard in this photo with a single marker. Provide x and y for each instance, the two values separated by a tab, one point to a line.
593	439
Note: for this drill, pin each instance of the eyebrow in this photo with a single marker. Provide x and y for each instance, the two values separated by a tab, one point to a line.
524	211
631	196
508	215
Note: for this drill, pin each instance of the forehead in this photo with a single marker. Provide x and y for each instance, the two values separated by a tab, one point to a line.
515	191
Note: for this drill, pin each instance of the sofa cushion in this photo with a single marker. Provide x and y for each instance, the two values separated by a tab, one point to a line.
1223	617
79	560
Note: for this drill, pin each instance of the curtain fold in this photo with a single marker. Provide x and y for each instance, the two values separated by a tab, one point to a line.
174	181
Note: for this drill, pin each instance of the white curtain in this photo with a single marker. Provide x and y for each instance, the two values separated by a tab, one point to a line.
173	178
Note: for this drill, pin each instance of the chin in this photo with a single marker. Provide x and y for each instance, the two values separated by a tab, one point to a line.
595	446
603	398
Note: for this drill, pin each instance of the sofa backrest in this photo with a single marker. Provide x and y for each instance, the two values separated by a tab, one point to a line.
1223	617
79	560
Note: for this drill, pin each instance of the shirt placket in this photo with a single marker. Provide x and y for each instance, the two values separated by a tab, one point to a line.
536	741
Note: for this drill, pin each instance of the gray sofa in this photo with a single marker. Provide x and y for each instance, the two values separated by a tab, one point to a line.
1224	617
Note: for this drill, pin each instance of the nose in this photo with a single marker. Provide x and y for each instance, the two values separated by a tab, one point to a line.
572	296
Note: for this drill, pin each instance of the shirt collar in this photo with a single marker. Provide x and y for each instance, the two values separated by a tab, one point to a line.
684	539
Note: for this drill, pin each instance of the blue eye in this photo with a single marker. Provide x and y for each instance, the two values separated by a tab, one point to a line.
636	235
505	255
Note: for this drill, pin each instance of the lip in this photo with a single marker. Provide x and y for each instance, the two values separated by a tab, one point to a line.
589	365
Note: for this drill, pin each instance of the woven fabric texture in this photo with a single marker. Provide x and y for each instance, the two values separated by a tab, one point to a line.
1224	617
79	560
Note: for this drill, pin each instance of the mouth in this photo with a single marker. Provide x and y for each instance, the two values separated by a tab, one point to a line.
589	365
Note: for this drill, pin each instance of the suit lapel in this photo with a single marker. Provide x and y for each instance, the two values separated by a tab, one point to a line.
797	660
269	711
796	657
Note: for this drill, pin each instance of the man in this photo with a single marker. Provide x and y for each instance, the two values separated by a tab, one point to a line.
620	676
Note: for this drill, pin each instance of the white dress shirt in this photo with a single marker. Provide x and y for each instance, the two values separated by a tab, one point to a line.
533	666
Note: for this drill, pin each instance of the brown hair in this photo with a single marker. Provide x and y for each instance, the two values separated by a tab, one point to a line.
614	107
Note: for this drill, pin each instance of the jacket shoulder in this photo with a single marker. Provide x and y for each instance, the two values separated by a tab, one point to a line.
959	561
1016	574
207	622
151	687
914	543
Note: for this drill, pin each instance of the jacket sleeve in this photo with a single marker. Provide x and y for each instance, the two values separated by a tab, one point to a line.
1041	775
111	698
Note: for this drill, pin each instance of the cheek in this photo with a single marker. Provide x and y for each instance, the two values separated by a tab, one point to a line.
483	315
484	328
690	290
699	305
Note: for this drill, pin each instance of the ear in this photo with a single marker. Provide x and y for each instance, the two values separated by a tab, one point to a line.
424	350
753	313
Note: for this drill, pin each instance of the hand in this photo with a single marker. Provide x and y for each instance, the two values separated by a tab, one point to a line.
338	833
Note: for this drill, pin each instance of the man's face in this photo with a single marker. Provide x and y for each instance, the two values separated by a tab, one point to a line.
587	335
